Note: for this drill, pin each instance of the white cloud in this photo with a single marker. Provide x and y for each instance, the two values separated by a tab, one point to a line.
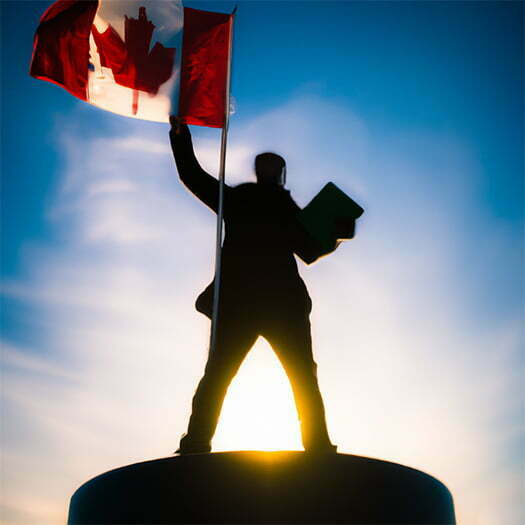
407	371
138	144
115	186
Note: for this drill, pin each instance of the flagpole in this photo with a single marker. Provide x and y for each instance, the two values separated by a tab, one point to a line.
220	208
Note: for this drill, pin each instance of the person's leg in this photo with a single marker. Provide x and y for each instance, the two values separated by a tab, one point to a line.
291	340
233	343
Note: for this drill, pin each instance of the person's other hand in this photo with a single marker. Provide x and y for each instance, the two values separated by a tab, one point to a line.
344	228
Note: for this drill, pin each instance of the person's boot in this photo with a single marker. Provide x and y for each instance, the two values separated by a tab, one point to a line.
321	448
189	446
317	440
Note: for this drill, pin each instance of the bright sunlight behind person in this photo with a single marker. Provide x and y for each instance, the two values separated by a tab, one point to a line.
259	411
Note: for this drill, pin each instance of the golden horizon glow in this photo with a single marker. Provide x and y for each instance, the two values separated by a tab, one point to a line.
259	410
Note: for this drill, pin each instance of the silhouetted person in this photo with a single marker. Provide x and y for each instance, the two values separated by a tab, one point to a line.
261	293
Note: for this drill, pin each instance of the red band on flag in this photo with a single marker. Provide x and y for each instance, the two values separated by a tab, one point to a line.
61	45
205	50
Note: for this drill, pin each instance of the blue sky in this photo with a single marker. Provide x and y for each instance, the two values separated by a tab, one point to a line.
415	109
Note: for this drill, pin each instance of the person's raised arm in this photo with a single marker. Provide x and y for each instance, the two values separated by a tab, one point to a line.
198	181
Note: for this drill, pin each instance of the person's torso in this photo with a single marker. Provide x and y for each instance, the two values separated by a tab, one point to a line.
259	272
258	244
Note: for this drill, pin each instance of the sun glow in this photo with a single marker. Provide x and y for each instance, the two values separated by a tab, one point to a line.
259	410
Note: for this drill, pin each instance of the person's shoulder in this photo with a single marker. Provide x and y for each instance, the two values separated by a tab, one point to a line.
245	186
262	191
261	188
244	190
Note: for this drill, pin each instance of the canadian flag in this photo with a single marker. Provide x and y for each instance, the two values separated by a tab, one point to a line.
146	59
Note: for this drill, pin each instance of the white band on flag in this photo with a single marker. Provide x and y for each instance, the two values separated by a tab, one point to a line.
151	32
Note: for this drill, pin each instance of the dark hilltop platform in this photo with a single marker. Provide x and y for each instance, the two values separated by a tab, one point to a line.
263	487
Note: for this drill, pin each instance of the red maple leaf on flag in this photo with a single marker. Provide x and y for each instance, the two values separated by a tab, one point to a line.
132	63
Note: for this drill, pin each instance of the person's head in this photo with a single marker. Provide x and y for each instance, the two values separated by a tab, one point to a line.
270	168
